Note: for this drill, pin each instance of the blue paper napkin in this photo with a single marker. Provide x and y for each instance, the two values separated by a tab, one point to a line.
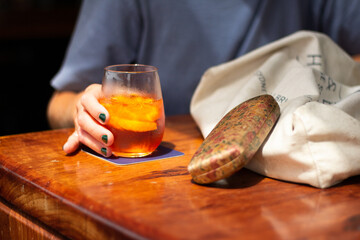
160	153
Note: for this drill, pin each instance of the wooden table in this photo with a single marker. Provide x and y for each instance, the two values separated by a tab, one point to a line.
48	195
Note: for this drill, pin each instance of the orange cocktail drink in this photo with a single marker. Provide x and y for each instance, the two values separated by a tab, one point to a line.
137	122
132	96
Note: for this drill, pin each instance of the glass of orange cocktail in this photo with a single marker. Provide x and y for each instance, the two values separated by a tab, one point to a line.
132	96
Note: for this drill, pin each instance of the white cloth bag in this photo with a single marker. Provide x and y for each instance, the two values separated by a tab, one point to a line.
316	140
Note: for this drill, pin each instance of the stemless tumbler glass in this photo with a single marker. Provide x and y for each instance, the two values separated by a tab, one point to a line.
132	96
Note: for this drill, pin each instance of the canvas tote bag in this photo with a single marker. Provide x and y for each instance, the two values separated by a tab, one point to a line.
316	140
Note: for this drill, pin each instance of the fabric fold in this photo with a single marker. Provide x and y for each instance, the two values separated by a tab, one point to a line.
317	85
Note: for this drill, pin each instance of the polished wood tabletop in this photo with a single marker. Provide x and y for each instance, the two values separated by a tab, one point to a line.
83	197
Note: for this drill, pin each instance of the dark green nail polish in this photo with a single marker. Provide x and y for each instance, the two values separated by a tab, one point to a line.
103	150
104	138
102	117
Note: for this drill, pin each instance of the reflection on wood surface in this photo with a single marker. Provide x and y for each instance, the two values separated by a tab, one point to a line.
83	197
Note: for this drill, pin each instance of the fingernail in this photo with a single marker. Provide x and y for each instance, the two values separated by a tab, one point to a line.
104	138
102	117
104	151
64	146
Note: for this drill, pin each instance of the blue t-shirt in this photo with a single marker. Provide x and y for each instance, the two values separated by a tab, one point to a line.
185	37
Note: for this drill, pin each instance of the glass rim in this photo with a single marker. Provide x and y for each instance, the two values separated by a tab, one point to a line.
151	68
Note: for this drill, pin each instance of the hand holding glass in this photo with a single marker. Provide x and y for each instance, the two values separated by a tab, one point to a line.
134	101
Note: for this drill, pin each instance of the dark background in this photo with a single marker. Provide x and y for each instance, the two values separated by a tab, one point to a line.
34	35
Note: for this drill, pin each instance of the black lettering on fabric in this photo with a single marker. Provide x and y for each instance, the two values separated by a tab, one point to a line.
262	80
280	98
314	59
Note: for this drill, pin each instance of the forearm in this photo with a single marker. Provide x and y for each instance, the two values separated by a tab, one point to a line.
357	58
61	109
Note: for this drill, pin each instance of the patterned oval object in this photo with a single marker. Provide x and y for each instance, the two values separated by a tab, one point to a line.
234	140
